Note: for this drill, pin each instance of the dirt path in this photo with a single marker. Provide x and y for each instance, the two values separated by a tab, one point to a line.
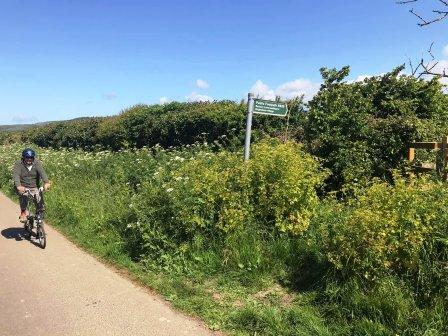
64	291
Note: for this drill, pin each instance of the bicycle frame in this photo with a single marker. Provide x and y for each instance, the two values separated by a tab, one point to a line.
36	218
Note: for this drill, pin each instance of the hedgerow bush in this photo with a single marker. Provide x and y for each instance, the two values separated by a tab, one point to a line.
284	182
362	129
214	194
173	124
78	133
390	230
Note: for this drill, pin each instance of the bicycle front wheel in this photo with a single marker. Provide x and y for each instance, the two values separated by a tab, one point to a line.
41	236
27	228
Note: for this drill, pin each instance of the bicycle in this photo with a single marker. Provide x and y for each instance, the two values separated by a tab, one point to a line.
35	220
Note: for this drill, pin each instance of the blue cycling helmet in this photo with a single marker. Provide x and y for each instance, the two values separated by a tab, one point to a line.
28	153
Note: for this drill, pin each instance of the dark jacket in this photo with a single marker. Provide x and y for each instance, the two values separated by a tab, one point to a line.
28	178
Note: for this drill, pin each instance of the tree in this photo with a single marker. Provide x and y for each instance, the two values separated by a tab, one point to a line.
425	67
439	14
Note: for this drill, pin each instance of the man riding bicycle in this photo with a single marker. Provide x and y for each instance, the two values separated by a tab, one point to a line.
27	174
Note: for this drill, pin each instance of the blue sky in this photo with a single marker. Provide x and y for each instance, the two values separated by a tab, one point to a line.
66	59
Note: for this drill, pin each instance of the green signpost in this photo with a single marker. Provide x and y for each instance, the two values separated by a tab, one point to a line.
260	106
270	107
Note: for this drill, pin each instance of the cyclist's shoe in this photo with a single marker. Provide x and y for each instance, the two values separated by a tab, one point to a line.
23	217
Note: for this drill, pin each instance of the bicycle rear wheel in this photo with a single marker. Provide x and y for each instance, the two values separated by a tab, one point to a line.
41	236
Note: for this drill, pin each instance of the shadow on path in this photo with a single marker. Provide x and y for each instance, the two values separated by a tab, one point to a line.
17	233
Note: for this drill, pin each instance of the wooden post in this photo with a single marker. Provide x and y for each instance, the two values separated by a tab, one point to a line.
444	157
411	154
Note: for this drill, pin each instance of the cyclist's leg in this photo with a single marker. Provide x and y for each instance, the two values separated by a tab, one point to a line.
23	200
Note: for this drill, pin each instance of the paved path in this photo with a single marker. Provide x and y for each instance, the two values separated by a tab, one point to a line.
64	291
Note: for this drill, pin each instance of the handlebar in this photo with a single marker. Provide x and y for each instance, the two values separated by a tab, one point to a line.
27	191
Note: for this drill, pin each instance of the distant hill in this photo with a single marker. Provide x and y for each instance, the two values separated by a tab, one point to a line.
22	127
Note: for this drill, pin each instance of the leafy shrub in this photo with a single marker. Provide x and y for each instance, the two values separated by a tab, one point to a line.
284	183
77	133
362	129
213	194
389	229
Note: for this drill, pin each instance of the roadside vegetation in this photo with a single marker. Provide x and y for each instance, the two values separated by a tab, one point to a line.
327	233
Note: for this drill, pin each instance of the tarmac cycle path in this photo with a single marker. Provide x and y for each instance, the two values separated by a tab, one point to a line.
62	290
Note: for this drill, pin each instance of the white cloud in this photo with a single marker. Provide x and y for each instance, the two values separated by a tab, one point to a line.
442	67
110	96
297	88
361	78
202	84
439	68
22	118
259	89
164	100
445	51
195	97
288	90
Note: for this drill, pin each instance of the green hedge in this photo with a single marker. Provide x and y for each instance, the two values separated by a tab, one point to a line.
174	124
